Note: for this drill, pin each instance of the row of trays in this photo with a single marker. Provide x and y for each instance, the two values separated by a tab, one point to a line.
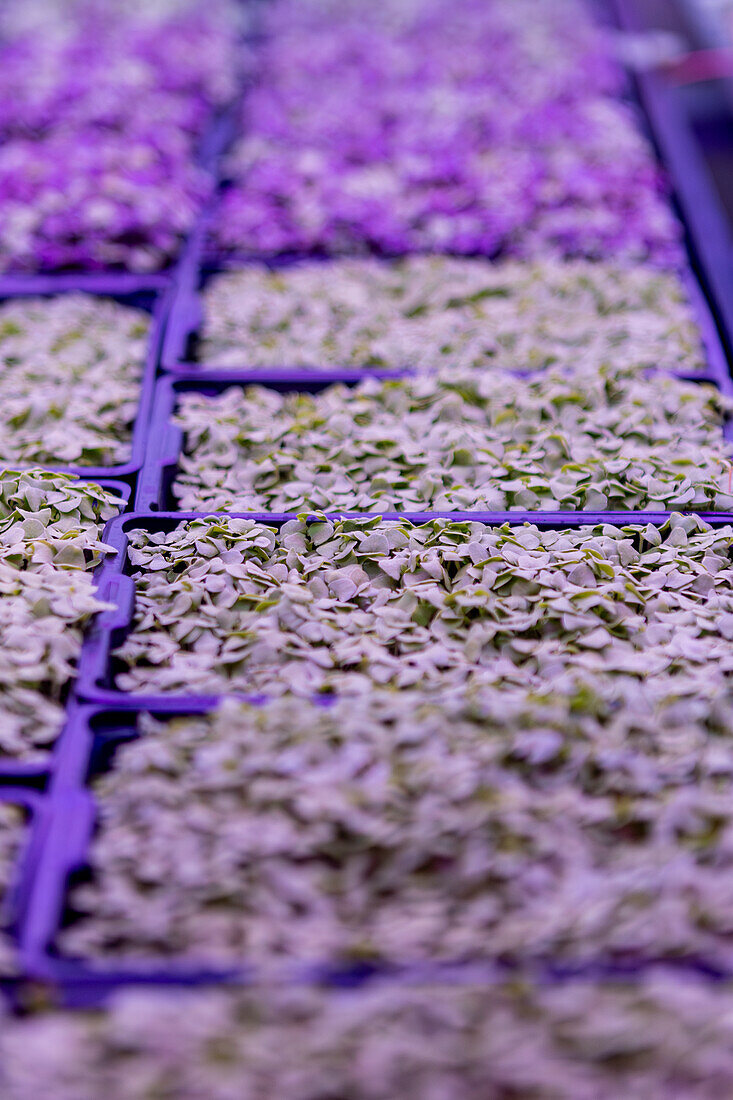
62	807
56	796
176	317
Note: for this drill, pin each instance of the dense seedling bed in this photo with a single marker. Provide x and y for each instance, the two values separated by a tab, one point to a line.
512	819
428	311
467	441
71	370
99	164
233	604
590	1040
50	529
533	154
451	790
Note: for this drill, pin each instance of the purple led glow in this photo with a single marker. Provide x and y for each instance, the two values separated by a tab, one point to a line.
428	128
101	111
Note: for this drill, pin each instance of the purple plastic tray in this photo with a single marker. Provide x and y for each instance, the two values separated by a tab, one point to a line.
60	852
24	772
95	682
718	368
668	113
35	772
157	303
187	314
213	145
104	282
166	441
63	820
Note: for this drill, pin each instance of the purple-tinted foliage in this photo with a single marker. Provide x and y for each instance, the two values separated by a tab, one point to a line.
84	199
468	127
96	64
101	109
